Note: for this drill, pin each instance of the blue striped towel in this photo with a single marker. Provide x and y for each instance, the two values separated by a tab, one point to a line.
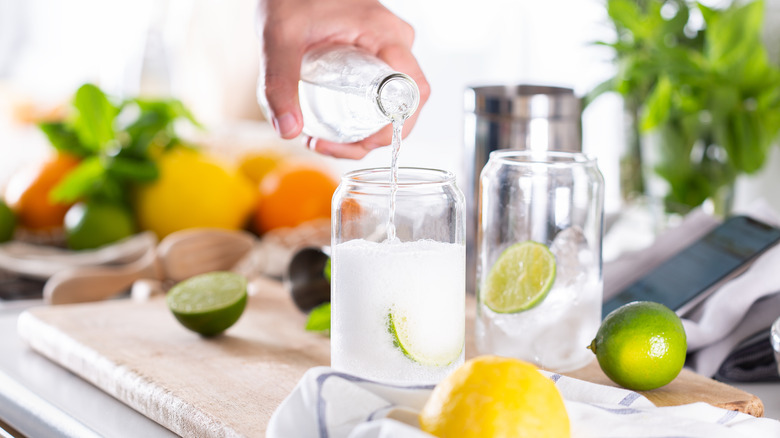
330	404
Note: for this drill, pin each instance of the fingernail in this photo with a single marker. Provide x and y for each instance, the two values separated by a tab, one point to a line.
285	124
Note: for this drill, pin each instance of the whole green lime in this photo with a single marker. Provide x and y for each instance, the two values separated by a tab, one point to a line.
92	225
641	345
7	222
209	303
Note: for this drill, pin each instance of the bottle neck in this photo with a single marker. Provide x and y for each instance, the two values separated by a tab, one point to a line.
397	96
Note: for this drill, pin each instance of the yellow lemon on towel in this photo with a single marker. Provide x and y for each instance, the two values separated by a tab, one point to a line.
641	345
495	397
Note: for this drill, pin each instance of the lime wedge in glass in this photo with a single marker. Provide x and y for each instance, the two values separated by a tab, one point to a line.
422	339
520	279
209	303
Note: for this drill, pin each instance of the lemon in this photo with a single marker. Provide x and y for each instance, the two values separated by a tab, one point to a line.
641	345
209	303
194	190
520	279
491	396
422	339
256	165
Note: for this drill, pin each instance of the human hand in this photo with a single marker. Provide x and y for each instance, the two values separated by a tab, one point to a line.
289	28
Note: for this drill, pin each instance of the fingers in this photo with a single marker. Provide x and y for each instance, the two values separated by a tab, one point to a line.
282	73
353	151
289	27
281	69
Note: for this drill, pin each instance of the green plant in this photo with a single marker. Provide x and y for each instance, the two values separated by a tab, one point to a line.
707	92
115	141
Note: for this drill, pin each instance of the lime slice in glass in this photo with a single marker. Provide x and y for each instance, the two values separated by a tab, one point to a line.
209	303
520	279
422	339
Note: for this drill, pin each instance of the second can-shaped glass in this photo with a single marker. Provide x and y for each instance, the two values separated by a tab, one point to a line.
539	279
398	275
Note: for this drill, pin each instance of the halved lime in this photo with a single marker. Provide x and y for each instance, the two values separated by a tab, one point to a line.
421	340
520	279
209	303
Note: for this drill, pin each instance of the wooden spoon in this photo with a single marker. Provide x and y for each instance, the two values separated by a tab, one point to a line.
180	255
197	251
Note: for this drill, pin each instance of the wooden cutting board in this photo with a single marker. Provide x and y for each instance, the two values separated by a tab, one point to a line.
230	385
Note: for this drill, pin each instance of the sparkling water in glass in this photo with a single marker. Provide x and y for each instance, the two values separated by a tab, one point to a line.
398	287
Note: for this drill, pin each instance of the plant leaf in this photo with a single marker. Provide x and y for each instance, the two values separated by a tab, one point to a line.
94	121
63	138
80	182
659	104
137	170
319	318
604	87
627	15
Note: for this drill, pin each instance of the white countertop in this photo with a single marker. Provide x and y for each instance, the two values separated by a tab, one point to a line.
39	398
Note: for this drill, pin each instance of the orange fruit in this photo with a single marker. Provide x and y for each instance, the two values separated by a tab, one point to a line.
292	194
28	192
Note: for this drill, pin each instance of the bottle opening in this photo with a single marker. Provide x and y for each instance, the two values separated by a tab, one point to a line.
398	96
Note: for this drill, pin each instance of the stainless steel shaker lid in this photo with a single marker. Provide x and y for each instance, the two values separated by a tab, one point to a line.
523	102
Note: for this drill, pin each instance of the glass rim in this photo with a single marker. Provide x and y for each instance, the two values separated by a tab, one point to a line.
546	157
439	176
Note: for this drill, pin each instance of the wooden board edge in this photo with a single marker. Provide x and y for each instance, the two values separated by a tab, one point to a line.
688	387
132	389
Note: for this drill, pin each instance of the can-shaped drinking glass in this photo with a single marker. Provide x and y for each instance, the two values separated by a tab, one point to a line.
398	260
539	273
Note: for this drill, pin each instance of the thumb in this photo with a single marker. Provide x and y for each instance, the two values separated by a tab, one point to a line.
278	89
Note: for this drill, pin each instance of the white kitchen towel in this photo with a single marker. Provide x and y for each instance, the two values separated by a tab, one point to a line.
331	404
721	314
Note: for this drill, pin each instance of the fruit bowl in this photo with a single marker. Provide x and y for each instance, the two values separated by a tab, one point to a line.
43	261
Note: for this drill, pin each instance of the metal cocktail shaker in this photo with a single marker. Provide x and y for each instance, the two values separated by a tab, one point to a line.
512	117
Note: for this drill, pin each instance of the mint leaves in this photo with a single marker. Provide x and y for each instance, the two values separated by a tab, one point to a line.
709	95
115	140
319	319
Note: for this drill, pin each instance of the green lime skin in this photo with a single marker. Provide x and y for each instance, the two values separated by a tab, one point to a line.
7	222
209	303
92	225
641	345
397	326
326	270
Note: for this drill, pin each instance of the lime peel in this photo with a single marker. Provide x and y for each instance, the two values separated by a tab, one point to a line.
520	279
641	345
209	303
401	330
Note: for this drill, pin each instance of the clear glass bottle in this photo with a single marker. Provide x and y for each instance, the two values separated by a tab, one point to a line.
398	306
347	94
